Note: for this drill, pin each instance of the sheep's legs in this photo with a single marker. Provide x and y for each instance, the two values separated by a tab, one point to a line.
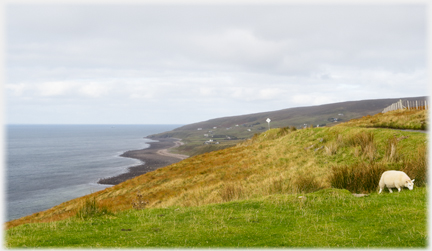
380	191
390	190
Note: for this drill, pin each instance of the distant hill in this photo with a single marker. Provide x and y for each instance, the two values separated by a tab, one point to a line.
245	126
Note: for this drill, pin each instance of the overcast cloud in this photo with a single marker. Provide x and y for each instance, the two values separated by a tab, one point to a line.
150	64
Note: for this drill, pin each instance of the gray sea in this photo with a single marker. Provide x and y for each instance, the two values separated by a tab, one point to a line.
50	164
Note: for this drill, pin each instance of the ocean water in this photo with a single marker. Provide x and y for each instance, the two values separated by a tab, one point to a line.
50	164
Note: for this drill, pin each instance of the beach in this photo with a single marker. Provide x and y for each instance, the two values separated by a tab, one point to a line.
154	157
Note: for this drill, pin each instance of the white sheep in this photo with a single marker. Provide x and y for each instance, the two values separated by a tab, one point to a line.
395	179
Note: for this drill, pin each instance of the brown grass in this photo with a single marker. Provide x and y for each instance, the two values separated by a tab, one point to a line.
358	178
399	119
272	162
307	182
364	145
391	150
416	168
331	148
231	191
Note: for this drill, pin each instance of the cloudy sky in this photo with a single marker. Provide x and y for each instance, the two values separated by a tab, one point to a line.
179	64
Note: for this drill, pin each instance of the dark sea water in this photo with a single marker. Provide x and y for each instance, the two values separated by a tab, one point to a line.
50	164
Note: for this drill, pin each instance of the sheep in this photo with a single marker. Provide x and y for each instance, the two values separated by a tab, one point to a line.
395	179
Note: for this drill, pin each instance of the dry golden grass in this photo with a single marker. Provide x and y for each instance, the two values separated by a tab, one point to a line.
400	119
276	161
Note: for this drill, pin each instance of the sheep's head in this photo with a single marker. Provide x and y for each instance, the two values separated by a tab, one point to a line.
409	184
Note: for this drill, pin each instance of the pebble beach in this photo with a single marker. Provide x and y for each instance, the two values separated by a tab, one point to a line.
154	157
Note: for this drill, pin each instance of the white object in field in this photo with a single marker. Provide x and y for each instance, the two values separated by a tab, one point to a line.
268	121
395	179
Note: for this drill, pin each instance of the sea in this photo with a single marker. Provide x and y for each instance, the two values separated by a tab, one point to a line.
49	164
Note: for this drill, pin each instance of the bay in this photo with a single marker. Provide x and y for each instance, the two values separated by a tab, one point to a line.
50	164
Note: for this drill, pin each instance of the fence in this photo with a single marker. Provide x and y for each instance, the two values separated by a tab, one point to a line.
409	105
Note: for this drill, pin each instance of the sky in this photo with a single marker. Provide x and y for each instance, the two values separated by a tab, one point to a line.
186	63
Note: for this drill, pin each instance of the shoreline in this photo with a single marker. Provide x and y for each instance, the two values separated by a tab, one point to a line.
153	157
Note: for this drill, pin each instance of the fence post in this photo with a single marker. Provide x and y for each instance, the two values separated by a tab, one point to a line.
416	105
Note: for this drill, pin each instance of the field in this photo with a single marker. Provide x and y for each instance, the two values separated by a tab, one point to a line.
328	218
281	188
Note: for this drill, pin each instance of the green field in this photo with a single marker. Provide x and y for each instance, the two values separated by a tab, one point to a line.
327	218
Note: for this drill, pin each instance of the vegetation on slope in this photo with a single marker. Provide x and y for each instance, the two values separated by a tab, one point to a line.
279	161
229	131
398	119
327	218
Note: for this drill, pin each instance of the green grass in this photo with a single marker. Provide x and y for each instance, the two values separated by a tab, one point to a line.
327	218
248	196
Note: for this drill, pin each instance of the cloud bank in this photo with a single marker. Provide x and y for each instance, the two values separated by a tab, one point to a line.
174	64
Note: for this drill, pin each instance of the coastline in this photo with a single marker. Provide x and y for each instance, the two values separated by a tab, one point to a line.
154	157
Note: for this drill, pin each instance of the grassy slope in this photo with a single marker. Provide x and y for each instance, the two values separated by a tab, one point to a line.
327	218
256	123
398	119
279	161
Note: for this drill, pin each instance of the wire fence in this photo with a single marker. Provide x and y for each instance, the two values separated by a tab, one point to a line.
407	105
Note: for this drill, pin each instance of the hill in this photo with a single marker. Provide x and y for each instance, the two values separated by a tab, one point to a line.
280	161
228	131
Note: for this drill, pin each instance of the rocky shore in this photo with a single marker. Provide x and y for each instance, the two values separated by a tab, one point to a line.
154	157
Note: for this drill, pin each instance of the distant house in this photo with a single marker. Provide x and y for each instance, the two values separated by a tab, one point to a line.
206	135
334	119
249	129
199	129
215	127
210	141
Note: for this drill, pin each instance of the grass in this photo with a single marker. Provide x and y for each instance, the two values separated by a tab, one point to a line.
328	218
277	161
398	119
91	209
271	168
359	178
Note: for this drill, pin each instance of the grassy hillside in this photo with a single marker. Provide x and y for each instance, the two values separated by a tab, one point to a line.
229	131
328	218
277	165
398	119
